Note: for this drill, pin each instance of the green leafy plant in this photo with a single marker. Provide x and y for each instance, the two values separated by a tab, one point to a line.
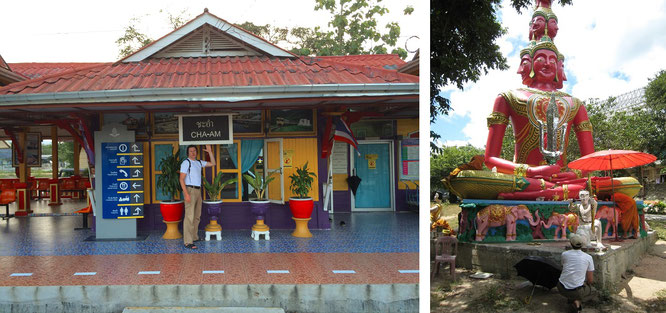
214	189
169	181
259	183
301	181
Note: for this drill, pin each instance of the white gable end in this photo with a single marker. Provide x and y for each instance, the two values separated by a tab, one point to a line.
207	35
207	41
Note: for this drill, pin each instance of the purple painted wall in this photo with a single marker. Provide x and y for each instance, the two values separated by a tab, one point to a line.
236	215
342	201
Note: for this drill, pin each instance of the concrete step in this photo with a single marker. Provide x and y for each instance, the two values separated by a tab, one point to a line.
303	298
183	309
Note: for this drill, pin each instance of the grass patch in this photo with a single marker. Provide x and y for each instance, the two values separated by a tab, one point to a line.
450	212
494	298
445	290
659	227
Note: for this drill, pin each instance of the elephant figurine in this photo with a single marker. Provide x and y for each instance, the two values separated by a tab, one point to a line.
496	215
606	213
562	221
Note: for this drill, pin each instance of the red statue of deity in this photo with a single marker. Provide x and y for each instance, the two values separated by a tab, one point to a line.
541	118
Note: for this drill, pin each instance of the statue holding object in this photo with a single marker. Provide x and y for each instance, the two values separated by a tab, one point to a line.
589	229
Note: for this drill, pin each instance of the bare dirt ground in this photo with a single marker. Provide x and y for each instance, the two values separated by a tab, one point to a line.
642	290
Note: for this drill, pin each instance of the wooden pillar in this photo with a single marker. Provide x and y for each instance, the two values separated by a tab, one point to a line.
54	187
22	188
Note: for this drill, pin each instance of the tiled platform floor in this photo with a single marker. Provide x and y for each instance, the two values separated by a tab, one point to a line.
196	269
380	248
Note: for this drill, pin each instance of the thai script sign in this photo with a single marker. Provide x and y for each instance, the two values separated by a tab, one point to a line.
202	129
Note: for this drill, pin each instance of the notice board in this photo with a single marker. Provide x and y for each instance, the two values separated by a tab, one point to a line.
122	180
409	159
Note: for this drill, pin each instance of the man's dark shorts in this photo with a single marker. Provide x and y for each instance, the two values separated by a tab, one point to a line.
581	293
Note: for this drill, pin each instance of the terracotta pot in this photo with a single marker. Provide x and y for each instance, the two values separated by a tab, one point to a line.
214	208
171	211
301	207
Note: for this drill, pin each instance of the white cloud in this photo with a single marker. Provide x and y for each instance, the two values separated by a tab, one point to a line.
610	48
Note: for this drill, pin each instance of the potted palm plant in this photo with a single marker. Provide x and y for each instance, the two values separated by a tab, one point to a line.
169	183
259	205
214	203
301	205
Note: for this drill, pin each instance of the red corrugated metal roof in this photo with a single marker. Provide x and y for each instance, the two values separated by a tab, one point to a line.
37	70
386	61
213	72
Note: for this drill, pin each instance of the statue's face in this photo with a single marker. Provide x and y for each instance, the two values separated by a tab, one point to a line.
552	28
537	27
584	196
524	68
545	66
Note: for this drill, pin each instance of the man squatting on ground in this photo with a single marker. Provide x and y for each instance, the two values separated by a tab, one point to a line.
577	275
190	182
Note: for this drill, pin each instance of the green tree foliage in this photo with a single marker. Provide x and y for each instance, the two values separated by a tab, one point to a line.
615	129
446	160
271	33
462	46
655	113
66	153
133	39
508	144
354	30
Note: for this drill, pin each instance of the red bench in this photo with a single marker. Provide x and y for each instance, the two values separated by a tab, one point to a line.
7	197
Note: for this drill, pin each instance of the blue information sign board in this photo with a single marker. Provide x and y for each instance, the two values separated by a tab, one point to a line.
122	180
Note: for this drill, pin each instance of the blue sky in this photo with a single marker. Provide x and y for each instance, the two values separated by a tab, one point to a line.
610	48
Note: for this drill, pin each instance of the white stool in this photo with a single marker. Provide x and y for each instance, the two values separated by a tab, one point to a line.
255	234
217	233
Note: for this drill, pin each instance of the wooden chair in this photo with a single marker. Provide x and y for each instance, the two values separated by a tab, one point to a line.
7	197
446	249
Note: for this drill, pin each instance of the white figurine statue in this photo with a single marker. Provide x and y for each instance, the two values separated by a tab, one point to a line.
585	208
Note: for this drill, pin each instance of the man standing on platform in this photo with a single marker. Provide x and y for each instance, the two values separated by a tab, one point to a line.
577	275
190	181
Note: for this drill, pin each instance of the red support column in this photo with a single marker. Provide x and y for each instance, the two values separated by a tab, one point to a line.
22	199
54	192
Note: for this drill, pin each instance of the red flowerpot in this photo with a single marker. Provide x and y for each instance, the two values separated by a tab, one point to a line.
301	207
171	211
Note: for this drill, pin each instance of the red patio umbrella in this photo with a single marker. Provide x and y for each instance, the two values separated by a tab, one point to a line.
609	160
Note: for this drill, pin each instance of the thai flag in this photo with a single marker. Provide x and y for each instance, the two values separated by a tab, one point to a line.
343	133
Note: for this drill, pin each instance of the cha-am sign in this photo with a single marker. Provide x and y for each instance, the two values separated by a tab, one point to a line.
199	129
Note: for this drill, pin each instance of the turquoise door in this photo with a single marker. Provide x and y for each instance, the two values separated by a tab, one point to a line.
373	166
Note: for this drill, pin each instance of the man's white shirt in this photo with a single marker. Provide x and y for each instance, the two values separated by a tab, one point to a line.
193	177
575	265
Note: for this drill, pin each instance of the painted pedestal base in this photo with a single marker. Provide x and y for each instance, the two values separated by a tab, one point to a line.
301	230
172	231
255	234
216	233
213	226
260	229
